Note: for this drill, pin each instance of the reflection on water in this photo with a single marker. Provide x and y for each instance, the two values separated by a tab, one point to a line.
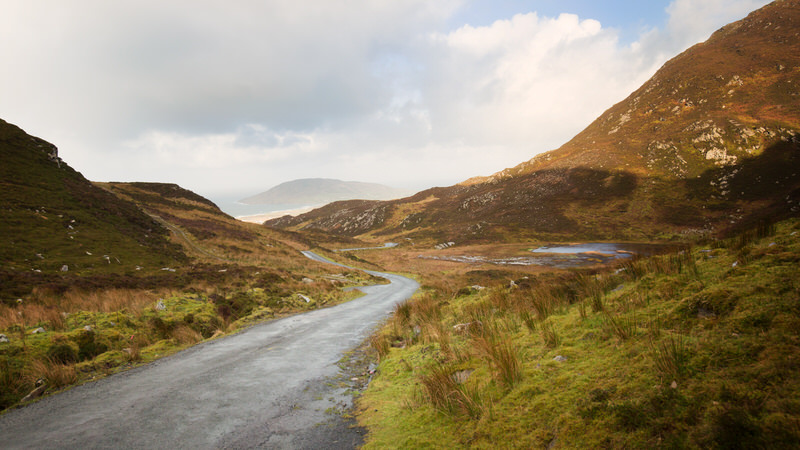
608	250
566	255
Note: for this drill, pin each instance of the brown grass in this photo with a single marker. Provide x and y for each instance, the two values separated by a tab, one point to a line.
184	335
44	307
441	389
54	374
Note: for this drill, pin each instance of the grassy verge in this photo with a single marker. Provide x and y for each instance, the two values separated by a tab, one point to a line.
696	349
57	339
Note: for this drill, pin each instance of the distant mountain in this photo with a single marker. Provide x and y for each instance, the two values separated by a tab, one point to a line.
319	191
709	144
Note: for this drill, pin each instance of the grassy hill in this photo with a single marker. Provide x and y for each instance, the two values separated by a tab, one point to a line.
96	278
707	146
691	350
55	222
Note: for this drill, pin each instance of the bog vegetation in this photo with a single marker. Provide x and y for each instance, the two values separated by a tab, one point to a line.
692	349
63	338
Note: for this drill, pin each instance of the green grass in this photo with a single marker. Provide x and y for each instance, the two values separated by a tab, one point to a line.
689	350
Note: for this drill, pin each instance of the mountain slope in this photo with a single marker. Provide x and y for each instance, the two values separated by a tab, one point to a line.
206	232
54	219
708	144
317	191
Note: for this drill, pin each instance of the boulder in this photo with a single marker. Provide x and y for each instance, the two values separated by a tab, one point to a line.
40	388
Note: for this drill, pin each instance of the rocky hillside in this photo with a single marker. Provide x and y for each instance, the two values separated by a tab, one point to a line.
54	221
205	232
709	144
319	191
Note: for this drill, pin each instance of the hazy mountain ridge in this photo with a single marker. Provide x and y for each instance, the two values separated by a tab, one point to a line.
318	191
707	144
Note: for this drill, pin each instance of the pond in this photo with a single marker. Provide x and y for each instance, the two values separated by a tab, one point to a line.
565	256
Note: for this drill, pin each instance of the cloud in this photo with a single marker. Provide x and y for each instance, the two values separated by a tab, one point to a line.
252	93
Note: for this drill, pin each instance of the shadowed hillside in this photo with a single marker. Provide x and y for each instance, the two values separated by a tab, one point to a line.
55	221
707	146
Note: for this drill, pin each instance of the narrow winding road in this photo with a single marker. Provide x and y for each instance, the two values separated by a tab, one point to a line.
266	387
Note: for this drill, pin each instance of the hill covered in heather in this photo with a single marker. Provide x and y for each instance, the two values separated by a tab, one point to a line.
707	146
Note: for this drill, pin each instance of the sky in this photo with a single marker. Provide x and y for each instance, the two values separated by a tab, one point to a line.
232	98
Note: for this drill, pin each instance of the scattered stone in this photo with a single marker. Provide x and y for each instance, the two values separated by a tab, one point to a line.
217	333
512	284
39	255
618	288
168	269
703	313
88	328
464	327
735	263
4	339
65	268
462	376
222	270
477	287
308	300
560	358
38	331
307	280
40	388
160	306
674	384
89	253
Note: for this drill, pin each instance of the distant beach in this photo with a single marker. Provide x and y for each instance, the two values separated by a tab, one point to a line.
261	218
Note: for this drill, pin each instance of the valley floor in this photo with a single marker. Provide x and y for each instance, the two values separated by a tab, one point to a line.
690	349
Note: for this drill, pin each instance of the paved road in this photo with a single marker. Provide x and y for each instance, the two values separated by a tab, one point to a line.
266	387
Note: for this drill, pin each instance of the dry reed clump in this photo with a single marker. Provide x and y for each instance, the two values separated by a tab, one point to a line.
437	332
54	374
30	314
549	335
683	263
185	335
44	307
623	328
381	344
670	356
442	389
501	298
493	343
424	309
478	312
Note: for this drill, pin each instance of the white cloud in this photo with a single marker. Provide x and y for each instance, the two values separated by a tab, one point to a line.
253	93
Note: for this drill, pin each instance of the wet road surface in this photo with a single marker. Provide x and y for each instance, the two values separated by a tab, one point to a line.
266	387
